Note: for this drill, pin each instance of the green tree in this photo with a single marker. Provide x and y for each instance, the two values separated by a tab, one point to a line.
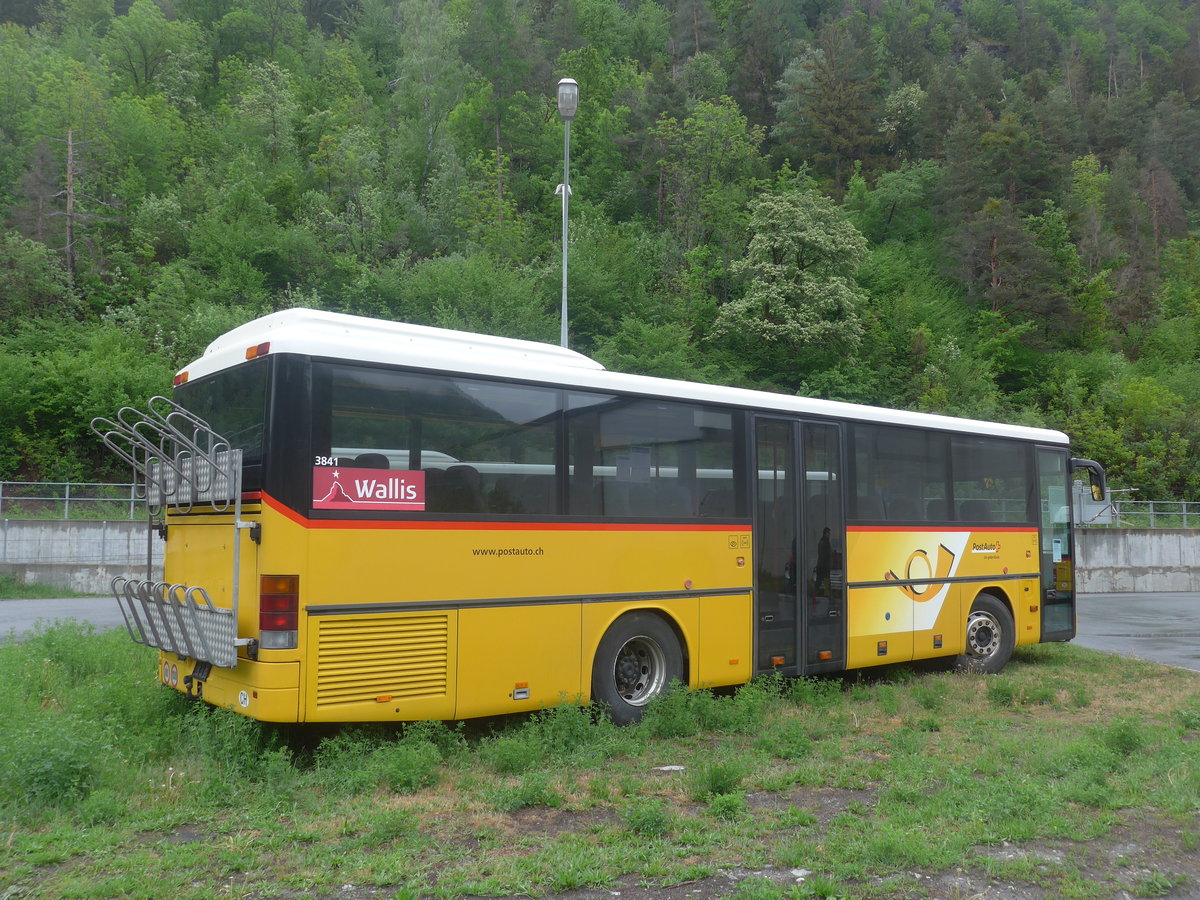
826	109
266	110
760	40
1008	273
801	302
427	83
143	47
54	378
33	283
706	164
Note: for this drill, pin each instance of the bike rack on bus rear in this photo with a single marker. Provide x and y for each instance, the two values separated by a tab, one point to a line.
181	462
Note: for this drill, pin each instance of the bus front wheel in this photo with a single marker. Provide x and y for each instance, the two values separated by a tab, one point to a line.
991	635
638	658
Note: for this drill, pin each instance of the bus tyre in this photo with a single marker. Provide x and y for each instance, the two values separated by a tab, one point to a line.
991	635
638	658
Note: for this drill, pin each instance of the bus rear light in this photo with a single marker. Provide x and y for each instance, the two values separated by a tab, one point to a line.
181	378
278	611
258	350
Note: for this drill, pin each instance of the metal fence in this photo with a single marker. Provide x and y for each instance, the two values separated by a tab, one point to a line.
70	500
1155	514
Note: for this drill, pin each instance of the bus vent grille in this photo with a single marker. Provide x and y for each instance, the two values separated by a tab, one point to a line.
361	658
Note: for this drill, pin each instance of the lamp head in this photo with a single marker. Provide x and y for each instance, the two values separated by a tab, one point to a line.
568	98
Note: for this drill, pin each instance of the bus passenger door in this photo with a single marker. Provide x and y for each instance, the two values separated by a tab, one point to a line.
799	551
777	581
823	549
1057	551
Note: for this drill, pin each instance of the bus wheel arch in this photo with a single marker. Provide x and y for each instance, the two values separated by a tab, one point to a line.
641	653
991	635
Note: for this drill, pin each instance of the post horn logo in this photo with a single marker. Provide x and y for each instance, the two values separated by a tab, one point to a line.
922	580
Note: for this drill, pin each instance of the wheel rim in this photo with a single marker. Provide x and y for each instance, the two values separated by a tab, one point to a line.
983	635
640	670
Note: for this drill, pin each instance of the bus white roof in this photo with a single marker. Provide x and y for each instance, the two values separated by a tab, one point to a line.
337	336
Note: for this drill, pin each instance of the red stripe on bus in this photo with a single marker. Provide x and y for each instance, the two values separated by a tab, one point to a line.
905	529
492	525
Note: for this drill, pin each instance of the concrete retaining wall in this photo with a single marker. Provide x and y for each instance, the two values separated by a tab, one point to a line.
85	556
1133	560
80	555
81	579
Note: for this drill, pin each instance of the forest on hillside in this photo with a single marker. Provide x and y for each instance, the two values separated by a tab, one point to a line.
975	207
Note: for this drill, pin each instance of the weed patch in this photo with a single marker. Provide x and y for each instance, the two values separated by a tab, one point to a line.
860	783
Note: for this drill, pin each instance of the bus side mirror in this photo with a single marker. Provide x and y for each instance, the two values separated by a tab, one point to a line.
1096	479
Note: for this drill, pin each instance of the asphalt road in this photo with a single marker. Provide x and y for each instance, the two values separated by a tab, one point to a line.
1161	628
20	616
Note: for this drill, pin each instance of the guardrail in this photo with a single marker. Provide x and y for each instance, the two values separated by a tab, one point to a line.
70	500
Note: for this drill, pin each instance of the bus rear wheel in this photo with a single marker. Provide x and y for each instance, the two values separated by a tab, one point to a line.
991	636
636	661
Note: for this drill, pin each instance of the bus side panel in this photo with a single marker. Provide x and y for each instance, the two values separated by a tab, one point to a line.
1027	611
947	635
473	563
516	660
879	627
525	605
724	653
920	611
369	667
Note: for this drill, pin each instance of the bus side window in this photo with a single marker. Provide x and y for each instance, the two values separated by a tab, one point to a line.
977	510
869	507
371	461
461	491
647	458
937	510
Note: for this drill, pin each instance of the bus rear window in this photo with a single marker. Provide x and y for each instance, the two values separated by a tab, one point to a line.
234	403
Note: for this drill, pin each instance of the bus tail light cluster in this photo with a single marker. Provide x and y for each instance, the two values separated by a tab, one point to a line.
278	612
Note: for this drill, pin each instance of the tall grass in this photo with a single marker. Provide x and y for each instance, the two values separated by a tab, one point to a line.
859	780
12	589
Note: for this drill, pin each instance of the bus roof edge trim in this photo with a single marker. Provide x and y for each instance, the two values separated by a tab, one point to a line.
309	331
338	336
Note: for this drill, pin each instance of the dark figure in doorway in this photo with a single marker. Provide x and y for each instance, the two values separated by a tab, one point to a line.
824	562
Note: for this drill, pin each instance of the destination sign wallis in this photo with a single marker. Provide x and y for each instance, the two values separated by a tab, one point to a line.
343	487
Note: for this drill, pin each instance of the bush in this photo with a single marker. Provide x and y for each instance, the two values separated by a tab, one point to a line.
52	761
727	806
407	766
532	790
785	739
819	693
713	777
565	734
673	714
648	817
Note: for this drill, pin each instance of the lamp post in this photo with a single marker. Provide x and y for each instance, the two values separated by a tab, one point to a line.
568	102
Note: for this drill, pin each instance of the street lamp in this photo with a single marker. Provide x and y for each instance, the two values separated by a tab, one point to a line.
568	102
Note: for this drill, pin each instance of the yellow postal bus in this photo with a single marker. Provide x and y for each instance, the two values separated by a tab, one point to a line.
371	521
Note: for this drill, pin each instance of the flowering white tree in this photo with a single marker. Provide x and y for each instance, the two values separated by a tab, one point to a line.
801	262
